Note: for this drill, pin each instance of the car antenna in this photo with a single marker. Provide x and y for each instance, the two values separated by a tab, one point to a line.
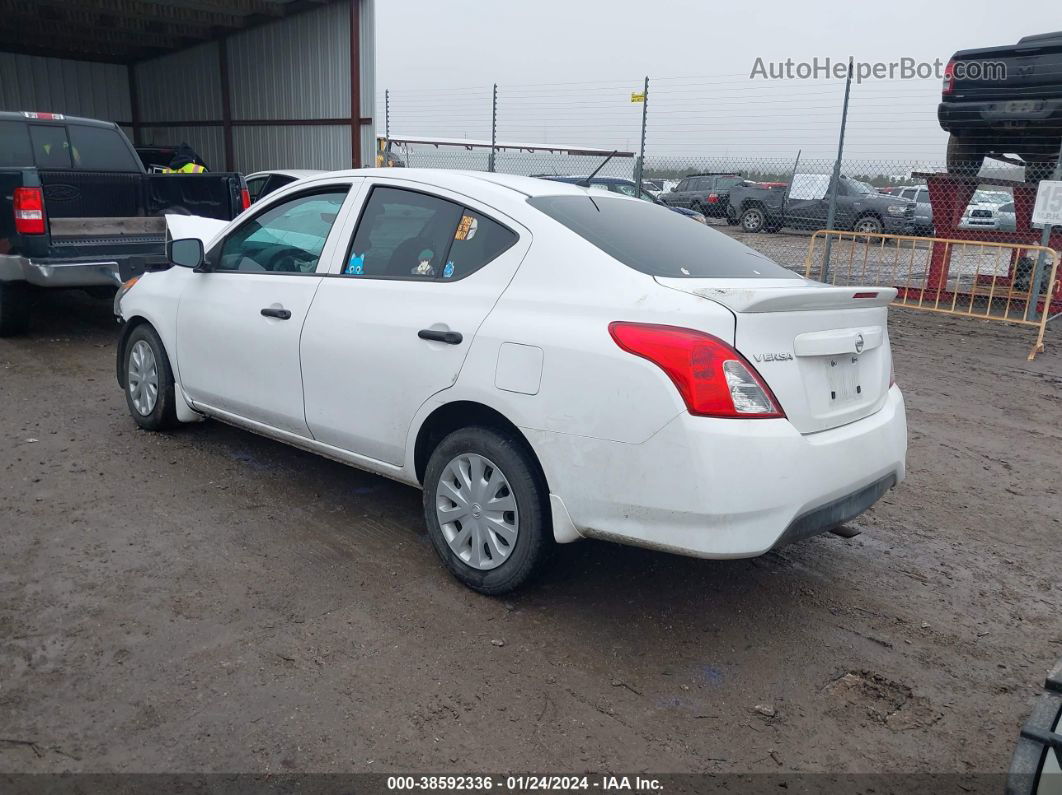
586	182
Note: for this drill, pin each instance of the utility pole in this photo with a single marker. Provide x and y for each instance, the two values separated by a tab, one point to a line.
639	167
387	115
1031	309
493	129
836	178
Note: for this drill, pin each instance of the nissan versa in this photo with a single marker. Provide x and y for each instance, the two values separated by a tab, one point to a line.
544	362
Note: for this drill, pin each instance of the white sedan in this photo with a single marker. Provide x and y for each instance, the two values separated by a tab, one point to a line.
545	363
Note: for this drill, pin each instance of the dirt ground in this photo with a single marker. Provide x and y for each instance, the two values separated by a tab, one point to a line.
209	600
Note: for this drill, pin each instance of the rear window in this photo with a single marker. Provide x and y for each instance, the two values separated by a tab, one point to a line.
656	240
15	144
101	149
51	148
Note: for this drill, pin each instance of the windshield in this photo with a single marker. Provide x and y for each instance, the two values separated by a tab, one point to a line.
860	187
657	241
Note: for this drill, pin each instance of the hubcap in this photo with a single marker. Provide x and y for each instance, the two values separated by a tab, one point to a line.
143	378
477	511
868	227
752	220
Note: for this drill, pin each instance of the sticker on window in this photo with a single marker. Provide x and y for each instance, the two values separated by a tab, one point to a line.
466	230
424	267
448	271
356	266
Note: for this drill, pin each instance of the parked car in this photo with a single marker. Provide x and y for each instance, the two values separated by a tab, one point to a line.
75	201
805	205
545	363
1001	100
262	183
983	210
708	194
923	211
654	186
625	187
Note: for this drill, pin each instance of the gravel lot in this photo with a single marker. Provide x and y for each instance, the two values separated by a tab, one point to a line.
213	601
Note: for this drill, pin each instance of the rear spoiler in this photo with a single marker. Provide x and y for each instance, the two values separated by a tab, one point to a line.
790	299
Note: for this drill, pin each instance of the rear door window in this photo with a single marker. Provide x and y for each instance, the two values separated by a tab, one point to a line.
101	149
15	144
657	241
404	234
51	147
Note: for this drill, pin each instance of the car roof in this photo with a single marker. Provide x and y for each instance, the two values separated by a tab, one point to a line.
593	180
464	181
297	173
58	118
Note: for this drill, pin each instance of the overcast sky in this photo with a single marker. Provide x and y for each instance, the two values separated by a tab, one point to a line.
566	68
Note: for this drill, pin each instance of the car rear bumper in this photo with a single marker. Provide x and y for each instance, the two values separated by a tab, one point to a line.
718	488
59	273
1013	116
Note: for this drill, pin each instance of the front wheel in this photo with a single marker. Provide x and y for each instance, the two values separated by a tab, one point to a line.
486	506
149	387
868	225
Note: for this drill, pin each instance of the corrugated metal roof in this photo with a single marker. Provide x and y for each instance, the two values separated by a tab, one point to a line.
125	31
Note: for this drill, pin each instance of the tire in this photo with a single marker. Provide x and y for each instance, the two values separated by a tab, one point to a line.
144	362
14	308
506	560
753	219
964	156
868	225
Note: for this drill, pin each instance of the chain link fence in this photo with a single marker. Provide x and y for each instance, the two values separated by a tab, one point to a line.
763	163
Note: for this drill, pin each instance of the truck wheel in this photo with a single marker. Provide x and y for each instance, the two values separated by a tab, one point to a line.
965	156
753	219
149	387
14	308
486	505
868	225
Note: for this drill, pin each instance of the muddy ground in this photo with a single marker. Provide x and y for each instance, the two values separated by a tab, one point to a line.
209	600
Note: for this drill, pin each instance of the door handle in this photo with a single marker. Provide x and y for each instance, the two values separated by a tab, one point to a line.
449	337
280	314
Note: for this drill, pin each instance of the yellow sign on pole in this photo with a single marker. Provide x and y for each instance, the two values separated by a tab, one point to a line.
637	96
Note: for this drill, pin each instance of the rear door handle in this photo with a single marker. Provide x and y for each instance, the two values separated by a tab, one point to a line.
280	314
449	337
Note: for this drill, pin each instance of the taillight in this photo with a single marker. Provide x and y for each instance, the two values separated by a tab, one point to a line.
245	197
949	78
713	198
713	378
29	211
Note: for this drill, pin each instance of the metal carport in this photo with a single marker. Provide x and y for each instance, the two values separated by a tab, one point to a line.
250	84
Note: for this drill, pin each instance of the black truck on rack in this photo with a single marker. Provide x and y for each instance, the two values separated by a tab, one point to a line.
76	201
1004	100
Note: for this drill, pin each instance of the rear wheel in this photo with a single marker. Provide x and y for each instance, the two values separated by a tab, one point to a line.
965	156
486	506
753	219
14	308
149	387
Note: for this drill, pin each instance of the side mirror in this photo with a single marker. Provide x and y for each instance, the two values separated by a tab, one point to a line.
187	252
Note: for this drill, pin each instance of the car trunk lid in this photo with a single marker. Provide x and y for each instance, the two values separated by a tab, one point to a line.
823	351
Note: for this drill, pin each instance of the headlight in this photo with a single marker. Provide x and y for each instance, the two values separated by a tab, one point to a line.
896	209
699	218
126	287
